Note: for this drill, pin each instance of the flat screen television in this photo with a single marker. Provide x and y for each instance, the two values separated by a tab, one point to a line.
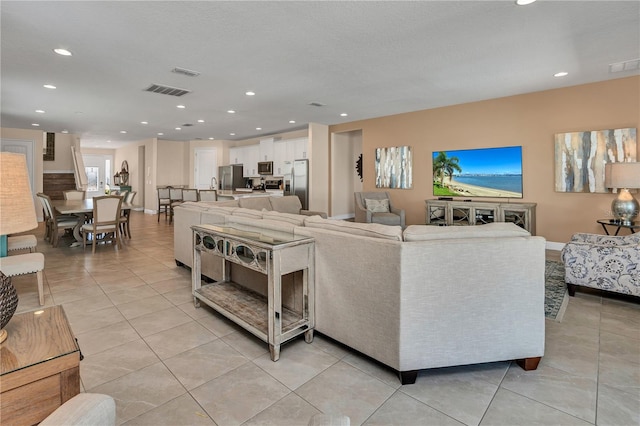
483	172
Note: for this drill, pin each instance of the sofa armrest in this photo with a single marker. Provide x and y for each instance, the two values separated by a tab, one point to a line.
84	409
605	240
313	213
399	212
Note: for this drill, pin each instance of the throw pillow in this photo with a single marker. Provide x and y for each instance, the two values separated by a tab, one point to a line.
377	206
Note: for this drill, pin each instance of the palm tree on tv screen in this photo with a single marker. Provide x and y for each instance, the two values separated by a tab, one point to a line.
445	166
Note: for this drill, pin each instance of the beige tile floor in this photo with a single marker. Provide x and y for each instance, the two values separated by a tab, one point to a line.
167	363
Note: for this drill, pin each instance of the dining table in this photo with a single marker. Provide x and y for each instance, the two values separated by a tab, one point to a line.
80	208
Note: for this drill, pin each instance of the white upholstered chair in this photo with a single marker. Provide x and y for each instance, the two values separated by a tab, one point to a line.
106	220
56	222
376	207
74	195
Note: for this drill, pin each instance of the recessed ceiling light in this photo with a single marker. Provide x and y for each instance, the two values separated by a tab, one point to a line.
178	128
250	93
63	52
200	121
40	111
232	134
344	114
258	128
108	141
144	122
524	2
561	74
180	106
123	131
65	131
160	134
35	124
292	121
49	86
230	111
211	139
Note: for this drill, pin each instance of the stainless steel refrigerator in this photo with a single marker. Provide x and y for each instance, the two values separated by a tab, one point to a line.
230	177
296	182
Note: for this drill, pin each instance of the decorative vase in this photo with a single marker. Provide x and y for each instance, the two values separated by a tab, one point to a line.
8	303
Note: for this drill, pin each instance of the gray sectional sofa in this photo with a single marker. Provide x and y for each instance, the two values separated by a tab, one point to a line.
421	298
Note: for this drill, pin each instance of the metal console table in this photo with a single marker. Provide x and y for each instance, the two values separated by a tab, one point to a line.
618	224
273	254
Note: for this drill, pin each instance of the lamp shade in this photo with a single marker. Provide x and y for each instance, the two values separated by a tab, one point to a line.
17	210
622	175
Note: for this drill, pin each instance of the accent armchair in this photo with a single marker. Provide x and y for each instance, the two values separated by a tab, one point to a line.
603	262
376	207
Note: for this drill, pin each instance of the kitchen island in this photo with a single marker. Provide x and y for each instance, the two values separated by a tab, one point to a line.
237	194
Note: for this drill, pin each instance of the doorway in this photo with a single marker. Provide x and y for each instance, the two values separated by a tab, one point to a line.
98	169
206	167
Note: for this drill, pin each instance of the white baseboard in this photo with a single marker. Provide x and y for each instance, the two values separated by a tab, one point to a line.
554	246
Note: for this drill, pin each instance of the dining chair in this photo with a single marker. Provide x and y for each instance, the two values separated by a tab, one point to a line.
208	195
106	220
176	197
74	195
164	202
57	222
46	216
125	215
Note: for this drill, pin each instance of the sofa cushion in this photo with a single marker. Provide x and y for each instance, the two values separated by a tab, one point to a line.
225	203
255	203
377	206
221	209
288	204
373	230
242	222
250	213
496	229
294	219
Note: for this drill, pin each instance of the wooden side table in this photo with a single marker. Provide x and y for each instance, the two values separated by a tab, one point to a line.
39	366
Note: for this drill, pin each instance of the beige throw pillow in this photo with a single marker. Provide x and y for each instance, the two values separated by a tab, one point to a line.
377	206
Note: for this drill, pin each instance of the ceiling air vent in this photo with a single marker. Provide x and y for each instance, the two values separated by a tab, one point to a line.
167	90
187	125
316	104
184	71
631	65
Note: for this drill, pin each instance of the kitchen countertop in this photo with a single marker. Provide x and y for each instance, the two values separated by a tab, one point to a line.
235	195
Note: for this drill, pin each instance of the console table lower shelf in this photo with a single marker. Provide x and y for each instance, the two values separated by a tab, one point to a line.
248	307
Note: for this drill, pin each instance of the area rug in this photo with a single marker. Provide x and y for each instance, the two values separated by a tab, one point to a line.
556	296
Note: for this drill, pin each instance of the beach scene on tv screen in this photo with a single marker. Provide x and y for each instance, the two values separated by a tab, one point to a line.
485	172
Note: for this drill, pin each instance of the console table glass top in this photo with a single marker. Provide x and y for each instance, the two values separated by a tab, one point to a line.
253	234
618	224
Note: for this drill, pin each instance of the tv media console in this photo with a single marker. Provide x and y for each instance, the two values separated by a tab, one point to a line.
467	212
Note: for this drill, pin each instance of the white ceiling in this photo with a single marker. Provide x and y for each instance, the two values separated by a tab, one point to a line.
367	59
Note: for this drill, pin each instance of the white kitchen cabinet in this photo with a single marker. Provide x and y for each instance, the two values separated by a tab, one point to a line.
251	158
299	148
279	158
266	149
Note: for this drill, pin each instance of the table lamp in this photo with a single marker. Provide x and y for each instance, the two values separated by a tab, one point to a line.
17	214
623	176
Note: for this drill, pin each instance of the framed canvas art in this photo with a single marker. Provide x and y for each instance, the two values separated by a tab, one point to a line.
393	167
580	157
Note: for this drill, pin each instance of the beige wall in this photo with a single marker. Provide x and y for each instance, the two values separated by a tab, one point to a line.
172	158
529	120
63	161
345	149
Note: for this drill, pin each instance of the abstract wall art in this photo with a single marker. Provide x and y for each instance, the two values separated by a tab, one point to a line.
580	157
393	167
